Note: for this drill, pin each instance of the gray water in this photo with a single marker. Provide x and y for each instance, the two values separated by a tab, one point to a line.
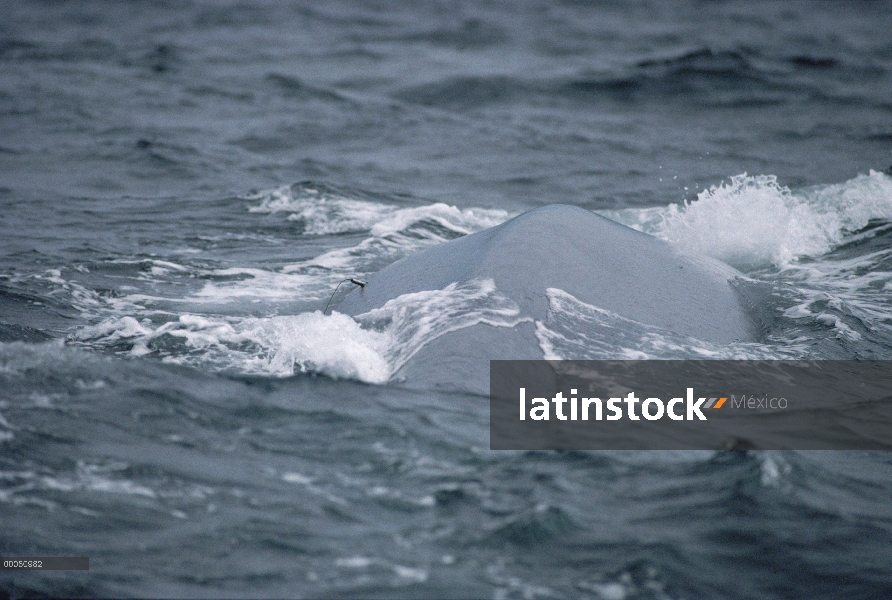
183	184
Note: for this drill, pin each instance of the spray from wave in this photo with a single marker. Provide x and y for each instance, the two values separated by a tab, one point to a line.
826	250
753	221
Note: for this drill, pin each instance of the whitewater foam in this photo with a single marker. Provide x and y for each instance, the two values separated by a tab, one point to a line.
752	221
322	212
575	330
163	288
325	213
371	347
393	233
413	320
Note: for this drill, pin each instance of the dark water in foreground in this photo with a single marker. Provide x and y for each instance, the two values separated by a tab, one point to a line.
183	184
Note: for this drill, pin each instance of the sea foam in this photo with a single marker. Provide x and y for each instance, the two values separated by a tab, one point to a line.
751	221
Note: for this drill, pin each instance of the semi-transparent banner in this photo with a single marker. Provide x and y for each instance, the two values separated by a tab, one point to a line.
690	405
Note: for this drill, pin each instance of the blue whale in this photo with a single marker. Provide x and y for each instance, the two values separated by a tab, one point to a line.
599	261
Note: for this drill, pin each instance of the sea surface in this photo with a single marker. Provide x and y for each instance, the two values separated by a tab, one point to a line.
184	183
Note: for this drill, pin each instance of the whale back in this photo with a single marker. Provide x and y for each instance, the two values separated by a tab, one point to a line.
599	261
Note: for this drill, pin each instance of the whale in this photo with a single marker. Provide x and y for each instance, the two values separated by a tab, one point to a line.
599	261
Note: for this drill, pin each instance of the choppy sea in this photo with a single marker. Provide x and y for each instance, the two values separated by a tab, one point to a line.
183	184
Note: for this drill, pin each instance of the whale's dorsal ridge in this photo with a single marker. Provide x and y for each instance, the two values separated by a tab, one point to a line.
599	261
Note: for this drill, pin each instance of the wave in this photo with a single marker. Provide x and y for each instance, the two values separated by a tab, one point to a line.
461	93
325	210
378	233
753	221
371	347
825	250
823	253
715	77
473	33
293	88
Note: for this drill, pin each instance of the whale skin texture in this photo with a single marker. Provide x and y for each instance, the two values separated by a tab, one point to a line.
601	262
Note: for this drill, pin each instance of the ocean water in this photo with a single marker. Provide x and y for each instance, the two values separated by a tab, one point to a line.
183	184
